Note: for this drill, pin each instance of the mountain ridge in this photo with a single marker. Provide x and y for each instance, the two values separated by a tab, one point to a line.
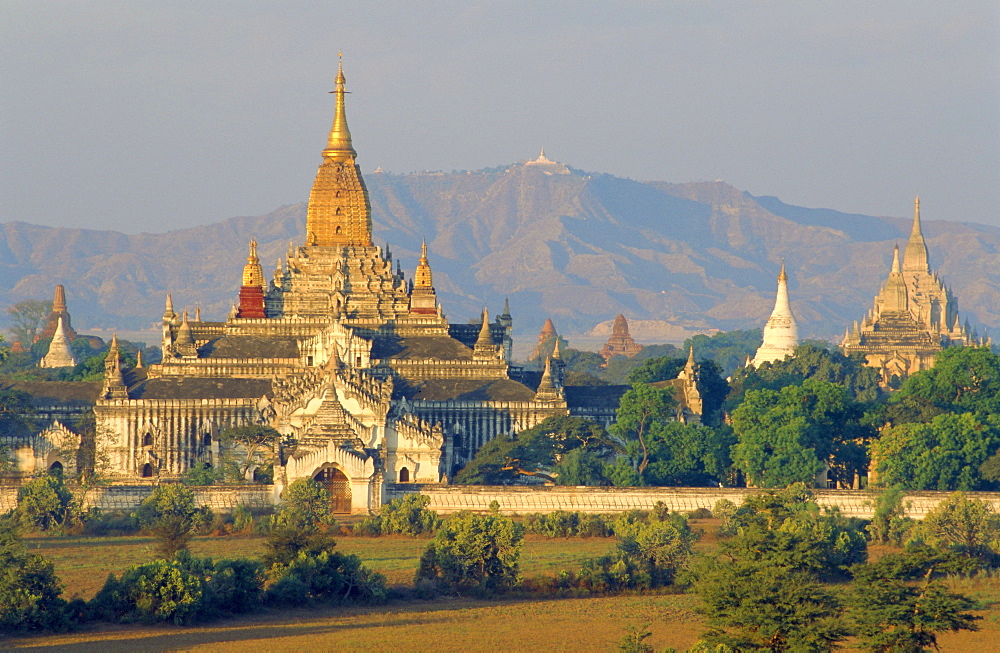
579	247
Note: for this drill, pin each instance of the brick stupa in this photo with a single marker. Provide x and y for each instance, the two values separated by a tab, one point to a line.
620	343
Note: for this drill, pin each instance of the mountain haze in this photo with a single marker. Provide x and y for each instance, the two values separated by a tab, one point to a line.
576	246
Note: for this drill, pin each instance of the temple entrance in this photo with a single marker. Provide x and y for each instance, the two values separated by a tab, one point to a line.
339	486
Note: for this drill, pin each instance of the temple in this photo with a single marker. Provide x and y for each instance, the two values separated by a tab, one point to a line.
781	333
339	352
620	343
914	316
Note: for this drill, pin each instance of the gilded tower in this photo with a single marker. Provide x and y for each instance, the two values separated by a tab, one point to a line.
339	212
914	315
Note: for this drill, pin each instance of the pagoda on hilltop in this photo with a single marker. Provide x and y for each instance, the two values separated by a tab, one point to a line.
58	312
914	316
620	343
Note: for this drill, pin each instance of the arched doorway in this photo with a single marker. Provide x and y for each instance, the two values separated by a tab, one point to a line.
339	486
404	475
56	468
147	470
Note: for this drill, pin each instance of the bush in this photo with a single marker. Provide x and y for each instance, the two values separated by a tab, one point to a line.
889	523
787	528
182	590
300	526
98	523
242	520
325	577
471	552
172	515
407	515
568	524
44	503
966	526
649	555
29	590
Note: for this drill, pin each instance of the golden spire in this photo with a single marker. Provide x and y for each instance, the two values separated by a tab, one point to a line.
423	278
915	256
338	144
339	212
781	275
253	273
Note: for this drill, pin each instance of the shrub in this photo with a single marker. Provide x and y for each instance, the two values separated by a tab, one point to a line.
99	523
300	526
648	555
182	590
172	515
471	552
966	526
44	503
567	524
29	589
889	523
787	528
325	577
701	513
407	515
242	520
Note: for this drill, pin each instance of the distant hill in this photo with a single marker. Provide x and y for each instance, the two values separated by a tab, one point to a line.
578	247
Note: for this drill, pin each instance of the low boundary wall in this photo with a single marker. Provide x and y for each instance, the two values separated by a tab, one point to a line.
522	500
527	499
128	497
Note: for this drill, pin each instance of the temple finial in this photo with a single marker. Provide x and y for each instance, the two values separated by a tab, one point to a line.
338	145
915	256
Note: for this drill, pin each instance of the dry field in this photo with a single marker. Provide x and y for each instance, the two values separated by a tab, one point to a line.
592	624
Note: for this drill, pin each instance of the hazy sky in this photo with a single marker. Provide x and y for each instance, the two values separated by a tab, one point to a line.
150	116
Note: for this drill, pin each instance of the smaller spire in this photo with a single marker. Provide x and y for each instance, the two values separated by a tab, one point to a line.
557	350
915	256
338	145
197	312
59	300
185	344
114	380
690	361
547	390
138	359
59	354
895	260
506	306
485	338
423	278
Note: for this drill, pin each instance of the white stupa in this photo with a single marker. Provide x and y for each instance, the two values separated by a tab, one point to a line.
781	333
60	355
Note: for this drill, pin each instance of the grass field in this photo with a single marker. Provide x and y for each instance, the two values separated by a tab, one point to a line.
591	624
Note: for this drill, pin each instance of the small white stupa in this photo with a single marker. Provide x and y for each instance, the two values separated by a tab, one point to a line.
60	355
781	333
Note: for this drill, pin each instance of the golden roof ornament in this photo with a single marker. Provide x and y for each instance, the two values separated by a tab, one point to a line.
338	144
423	278
253	273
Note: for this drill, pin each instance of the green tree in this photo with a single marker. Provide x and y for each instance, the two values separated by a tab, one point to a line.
945	454
809	362
29	589
407	515
892	613
756	605
250	446
27	317
45	503
729	349
964	525
472	552
889	523
301	524
787	528
963	380
790	435
539	452
16	409
172	514
712	387
642	411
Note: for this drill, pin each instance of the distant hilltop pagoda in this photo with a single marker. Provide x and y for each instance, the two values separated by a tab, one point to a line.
781	333
547	338
914	316
58	312
620	343
59	354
